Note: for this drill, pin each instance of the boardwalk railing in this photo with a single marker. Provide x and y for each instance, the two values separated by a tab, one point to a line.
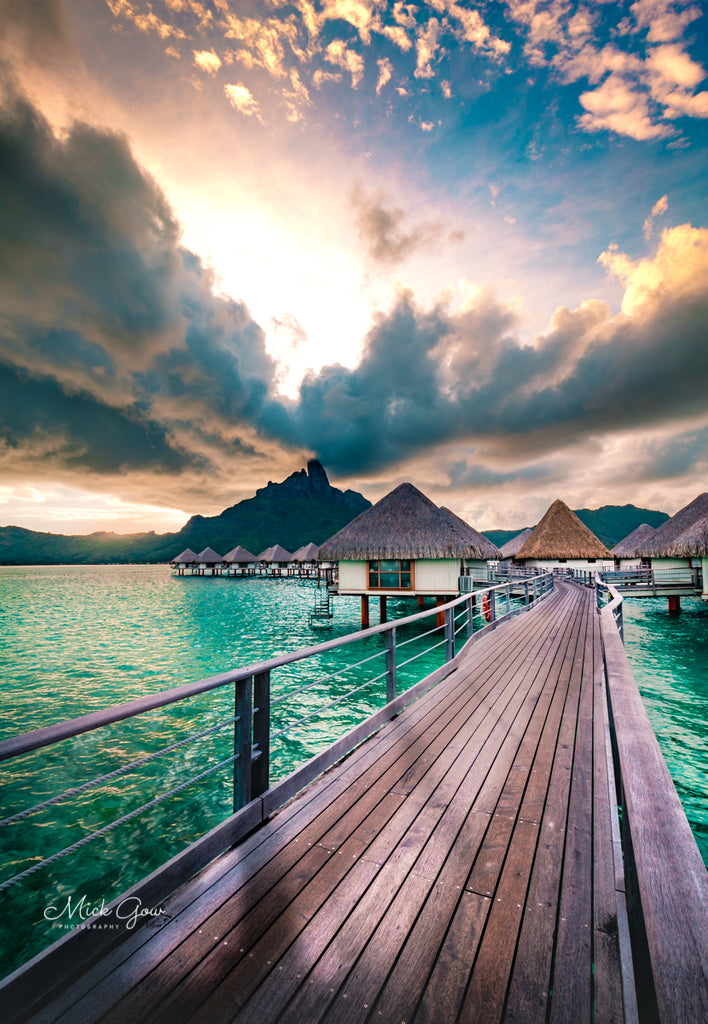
261	716
665	878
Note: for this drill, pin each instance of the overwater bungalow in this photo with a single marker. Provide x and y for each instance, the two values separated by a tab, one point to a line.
693	544
562	541
483	550
306	553
404	545
658	552
240	562
277	558
209	562
187	559
514	545
628	553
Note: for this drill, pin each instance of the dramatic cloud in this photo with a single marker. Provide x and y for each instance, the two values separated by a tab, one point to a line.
117	355
428	377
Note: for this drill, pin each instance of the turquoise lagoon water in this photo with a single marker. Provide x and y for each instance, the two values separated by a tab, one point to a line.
79	638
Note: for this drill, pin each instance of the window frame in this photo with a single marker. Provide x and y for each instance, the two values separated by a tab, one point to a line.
378	561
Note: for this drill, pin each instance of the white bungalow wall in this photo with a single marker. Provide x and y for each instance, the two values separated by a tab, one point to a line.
431	576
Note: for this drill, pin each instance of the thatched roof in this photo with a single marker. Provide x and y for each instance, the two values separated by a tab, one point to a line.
209	555
483	545
635	542
404	524
239	554
277	553
560	534
185	558
307	553
693	542
669	532
514	544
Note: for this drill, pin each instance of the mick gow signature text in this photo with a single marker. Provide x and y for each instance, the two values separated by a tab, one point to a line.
81	911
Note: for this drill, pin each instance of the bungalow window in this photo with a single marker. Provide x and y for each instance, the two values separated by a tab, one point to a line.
391	574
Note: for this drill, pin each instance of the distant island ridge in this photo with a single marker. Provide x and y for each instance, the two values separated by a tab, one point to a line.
302	508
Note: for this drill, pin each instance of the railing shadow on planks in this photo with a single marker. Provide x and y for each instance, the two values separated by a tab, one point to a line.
394	669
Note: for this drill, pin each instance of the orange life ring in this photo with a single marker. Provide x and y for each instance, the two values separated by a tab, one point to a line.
487	607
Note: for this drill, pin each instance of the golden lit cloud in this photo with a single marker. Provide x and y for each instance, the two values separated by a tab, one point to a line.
240	97
207	60
338	53
679	267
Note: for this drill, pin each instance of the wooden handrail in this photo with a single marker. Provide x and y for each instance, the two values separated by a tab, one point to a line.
667	882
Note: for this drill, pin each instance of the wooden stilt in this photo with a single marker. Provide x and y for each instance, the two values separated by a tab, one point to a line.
364	611
440	617
382	609
674	605
421	600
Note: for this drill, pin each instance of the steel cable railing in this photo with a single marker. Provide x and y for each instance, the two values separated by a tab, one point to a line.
251	721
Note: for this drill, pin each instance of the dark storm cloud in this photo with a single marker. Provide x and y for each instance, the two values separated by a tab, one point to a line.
119	355
76	430
383	229
432	377
111	331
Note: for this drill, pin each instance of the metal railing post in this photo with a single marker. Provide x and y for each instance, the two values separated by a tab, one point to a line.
526	592
449	634
243	714
492	606
470	616
260	768
508	598
391	688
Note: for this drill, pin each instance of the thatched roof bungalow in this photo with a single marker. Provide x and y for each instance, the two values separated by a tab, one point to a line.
693	544
275	555
659	550
306	553
239	556
561	539
668	533
514	544
629	550
186	557
209	562
404	544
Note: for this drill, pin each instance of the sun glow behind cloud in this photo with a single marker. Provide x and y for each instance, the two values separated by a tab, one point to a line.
400	207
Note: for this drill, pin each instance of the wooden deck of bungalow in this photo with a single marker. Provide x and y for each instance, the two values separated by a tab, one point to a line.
464	864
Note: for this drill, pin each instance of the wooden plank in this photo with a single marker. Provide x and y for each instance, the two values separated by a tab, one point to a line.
607	973
445	987
530	981
572	975
402	990
484	1000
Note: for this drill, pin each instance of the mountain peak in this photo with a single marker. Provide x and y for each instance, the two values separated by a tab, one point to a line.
317	476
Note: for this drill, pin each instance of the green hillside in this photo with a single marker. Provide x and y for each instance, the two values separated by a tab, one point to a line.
303	508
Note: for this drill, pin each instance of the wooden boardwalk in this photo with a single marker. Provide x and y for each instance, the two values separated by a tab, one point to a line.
460	866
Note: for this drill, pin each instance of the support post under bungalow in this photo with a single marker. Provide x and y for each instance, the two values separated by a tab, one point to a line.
382	609
440	617
364	611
